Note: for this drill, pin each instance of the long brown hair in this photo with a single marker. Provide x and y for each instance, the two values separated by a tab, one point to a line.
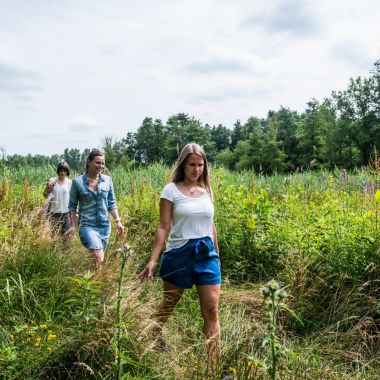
178	173
94	153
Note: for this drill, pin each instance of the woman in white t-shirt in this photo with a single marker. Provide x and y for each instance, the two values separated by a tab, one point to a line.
58	189
191	256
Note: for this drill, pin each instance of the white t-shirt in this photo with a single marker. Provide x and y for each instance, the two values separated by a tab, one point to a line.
61	195
192	217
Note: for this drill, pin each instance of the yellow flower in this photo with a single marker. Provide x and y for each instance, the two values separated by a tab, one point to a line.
51	337
38	339
49	349
37	344
232	369
253	364
44	326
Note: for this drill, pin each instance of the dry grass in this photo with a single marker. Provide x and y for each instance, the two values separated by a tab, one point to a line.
343	348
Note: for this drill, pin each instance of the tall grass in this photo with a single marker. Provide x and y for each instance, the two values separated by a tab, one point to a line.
314	232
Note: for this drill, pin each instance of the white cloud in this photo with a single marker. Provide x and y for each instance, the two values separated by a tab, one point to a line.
72	72
17	82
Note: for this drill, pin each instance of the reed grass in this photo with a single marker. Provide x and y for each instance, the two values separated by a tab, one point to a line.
314	232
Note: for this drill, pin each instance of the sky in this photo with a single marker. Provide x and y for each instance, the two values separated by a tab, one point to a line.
75	71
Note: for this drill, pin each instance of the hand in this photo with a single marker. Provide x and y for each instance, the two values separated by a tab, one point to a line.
69	232
120	228
147	273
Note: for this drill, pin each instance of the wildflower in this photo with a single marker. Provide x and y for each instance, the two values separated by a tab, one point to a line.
38	339
232	369
51	337
253	364
44	326
49	348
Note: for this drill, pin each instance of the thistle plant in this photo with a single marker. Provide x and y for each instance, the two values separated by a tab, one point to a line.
85	299
118	325
274	301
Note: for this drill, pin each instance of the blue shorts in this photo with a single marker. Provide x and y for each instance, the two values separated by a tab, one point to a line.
95	237
195	263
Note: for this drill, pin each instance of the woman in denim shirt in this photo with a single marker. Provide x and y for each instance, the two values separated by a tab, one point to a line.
94	193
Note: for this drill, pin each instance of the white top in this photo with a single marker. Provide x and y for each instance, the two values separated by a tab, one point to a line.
61	195
192	217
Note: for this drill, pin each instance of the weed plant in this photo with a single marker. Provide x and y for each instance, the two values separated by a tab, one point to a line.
316	232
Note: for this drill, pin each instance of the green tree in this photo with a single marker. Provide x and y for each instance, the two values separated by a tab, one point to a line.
237	134
150	141
221	137
376	88
74	158
254	131
183	129
358	107
287	124
309	136
114	151
271	156
129	145
225	158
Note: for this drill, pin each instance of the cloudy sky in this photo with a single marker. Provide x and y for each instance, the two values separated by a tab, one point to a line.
74	71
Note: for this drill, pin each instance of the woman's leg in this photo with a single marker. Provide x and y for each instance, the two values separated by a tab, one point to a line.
209	301
98	256
172	294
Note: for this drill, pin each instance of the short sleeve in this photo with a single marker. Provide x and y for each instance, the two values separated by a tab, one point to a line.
167	192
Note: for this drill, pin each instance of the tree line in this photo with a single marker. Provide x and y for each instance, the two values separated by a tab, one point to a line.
341	131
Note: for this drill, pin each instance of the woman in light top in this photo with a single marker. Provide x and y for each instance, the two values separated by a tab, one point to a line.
58	188
92	196
191	256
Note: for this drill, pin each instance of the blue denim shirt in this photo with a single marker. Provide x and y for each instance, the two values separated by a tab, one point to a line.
93	205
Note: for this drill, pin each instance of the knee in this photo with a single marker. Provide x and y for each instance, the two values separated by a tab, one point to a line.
170	301
98	255
210	313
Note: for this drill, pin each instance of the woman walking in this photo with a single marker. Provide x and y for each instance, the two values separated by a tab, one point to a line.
191	256
94	193
57	192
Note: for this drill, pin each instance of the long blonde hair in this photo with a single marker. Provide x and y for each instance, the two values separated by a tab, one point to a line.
178	172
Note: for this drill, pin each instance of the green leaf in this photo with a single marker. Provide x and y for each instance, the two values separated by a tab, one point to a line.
291	312
377	196
71	300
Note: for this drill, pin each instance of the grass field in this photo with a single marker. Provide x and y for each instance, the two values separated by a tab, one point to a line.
317	234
